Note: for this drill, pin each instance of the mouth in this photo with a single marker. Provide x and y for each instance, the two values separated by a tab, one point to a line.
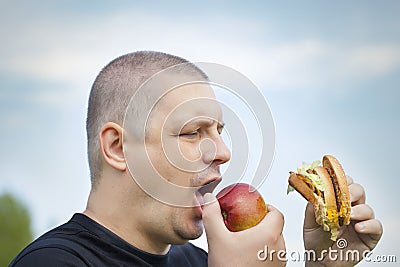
207	187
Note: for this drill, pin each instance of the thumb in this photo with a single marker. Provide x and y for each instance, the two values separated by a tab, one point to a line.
309	218
212	218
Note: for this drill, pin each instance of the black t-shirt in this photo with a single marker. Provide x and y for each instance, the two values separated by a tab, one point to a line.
83	242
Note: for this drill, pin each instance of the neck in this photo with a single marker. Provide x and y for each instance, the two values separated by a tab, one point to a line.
114	211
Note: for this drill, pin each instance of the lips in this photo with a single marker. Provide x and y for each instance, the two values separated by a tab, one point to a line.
209	186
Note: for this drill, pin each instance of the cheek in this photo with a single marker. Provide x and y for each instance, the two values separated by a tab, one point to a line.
189	151
186	218
170	170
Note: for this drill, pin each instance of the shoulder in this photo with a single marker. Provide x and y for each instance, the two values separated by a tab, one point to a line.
58	246
188	255
47	256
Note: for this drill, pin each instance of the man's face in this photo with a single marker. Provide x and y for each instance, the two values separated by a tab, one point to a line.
185	147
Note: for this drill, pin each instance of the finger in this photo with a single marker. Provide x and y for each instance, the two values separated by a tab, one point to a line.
271	208
372	227
271	226
274	220
362	212
349	180
309	218
212	219
357	194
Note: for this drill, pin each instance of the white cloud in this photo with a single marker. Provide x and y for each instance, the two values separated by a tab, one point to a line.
74	52
374	59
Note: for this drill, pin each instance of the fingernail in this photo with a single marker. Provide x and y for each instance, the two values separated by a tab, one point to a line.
361	226
208	197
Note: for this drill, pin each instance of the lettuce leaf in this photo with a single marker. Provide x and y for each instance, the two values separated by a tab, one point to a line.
303	170
289	189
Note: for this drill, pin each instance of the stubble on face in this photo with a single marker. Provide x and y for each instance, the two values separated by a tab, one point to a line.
185	222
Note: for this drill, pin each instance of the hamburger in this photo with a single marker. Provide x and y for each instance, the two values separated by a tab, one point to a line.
325	187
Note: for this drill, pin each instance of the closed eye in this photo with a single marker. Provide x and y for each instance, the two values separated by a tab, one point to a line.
194	133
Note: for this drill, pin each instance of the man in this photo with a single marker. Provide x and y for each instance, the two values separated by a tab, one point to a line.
125	223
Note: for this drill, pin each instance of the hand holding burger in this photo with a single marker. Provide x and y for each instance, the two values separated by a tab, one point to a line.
325	187
361	234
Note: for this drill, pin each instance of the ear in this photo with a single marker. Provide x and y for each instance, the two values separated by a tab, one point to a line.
111	145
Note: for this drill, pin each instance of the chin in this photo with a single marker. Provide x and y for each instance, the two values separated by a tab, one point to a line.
189	231
186	225
198	231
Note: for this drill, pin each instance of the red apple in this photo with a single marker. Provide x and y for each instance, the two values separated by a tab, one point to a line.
242	206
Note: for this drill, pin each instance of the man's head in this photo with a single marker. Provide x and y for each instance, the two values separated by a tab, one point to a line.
182	143
112	91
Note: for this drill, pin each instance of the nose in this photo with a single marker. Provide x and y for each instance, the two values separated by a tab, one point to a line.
218	154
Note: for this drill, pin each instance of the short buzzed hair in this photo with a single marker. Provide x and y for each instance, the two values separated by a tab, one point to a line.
112	91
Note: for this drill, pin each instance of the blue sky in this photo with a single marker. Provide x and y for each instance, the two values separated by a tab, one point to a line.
329	70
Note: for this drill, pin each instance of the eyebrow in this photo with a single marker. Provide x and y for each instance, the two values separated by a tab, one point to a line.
205	121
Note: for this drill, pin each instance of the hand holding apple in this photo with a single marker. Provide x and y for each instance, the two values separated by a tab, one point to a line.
242	206
227	248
